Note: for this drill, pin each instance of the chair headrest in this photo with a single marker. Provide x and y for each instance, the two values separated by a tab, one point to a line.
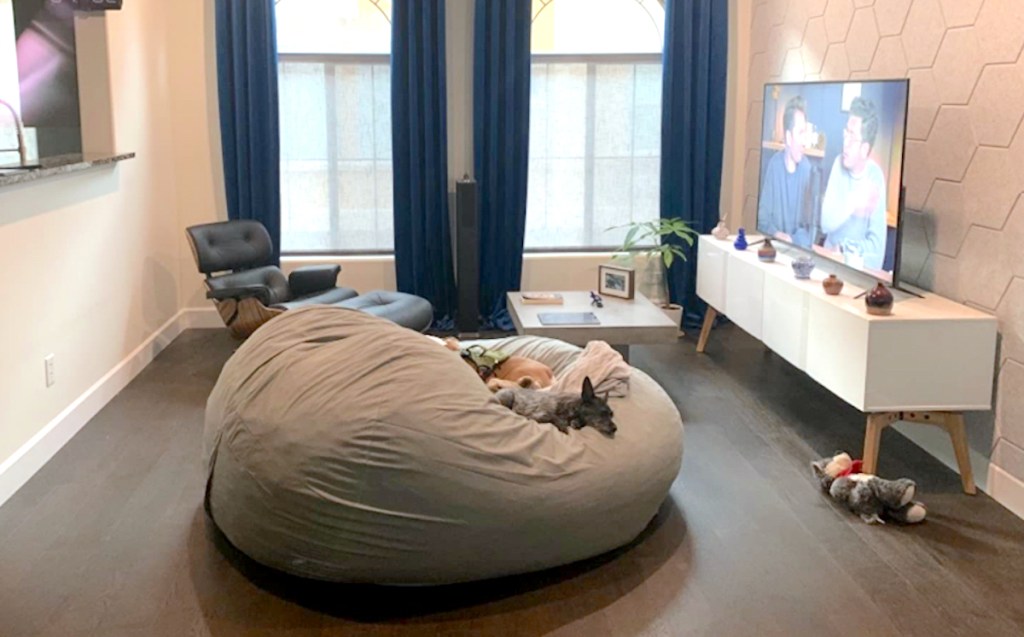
230	245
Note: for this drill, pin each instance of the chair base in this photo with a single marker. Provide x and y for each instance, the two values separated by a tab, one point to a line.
245	316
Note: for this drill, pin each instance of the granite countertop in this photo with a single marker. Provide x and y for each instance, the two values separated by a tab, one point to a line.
58	165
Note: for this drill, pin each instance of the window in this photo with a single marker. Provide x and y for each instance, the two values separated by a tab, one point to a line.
595	120
335	104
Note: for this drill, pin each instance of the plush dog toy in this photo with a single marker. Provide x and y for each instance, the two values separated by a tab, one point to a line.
874	499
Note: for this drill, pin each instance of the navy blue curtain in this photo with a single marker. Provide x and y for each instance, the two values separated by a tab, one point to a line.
692	129
247	87
501	137
419	141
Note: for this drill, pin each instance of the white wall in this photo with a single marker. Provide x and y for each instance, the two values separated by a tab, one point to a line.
193	80
90	261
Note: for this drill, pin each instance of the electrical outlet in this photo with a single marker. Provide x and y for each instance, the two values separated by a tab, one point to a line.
48	363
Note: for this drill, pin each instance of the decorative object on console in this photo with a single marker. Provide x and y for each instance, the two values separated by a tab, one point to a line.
617	281
879	300
803	266
767	251
833	285
741	240
721	231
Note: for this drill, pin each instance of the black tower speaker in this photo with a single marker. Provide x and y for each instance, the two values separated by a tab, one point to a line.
467	256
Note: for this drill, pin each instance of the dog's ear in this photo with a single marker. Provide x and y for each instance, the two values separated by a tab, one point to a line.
588	389
818	467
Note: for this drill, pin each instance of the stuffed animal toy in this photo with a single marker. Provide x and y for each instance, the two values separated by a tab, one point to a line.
874	499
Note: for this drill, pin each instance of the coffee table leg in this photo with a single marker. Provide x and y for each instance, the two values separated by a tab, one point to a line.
622	349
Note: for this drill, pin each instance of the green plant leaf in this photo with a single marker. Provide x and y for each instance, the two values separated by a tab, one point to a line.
630	235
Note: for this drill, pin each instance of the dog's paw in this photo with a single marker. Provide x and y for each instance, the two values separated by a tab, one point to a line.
495	384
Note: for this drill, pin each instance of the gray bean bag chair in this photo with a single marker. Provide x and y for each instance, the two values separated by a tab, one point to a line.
345	448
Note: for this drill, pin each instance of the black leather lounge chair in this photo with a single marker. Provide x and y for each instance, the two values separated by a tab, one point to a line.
248	290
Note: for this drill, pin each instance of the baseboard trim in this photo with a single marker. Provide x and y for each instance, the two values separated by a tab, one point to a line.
16	470
1006	489
196	318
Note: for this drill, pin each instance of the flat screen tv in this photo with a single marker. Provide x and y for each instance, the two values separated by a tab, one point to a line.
832	168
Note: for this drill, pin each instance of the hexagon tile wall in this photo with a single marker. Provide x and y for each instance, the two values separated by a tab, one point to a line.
964	231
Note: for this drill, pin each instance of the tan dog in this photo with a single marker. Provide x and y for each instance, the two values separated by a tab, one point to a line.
514	371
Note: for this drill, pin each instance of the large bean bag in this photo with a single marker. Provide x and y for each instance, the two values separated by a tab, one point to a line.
343	447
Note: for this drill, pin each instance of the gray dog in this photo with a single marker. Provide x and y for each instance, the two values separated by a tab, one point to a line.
563	410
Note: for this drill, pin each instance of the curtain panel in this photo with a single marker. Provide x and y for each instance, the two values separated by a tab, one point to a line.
423	253
247	89
501	129
693	129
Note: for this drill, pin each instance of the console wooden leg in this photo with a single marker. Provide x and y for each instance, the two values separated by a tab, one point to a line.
954	424
705	330
872	438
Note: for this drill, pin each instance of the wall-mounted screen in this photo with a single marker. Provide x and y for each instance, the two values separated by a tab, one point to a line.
831	170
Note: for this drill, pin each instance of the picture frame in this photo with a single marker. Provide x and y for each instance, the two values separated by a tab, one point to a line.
616	281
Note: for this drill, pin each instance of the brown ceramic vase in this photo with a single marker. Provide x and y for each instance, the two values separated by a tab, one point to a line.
833	285
879	301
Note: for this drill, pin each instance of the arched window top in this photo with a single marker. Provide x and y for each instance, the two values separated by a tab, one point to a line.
333	26
597	26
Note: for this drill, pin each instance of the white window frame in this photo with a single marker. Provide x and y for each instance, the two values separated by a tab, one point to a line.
591	60
336	227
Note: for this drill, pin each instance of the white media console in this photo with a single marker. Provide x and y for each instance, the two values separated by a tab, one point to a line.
928	362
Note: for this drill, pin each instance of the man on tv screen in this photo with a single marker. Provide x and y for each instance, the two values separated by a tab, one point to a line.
784	189
853	208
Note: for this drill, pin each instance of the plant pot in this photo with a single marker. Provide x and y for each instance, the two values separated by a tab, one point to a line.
653	283
675	314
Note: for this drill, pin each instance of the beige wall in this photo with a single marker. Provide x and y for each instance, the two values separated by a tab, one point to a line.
90	261
964	153
735	144
193	84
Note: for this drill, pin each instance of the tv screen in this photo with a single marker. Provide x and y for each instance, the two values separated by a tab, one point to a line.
831	170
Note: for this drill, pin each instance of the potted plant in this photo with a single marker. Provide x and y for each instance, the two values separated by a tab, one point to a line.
645	238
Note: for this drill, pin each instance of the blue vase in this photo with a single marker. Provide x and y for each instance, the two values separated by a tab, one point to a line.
741	240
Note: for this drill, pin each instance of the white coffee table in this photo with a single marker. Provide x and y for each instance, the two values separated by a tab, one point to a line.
623	323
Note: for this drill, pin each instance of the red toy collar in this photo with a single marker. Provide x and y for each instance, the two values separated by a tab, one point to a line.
857	466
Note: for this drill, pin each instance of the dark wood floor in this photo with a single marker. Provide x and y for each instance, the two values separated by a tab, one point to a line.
110	538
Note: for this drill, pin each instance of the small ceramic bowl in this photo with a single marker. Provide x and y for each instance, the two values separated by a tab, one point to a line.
802	267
